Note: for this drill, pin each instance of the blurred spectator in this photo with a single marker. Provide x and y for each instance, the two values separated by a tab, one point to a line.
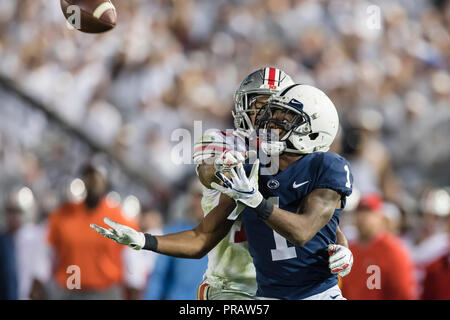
369	158
24	241
382	268
9	289
436	285
431	241
393	218
140	264
169	63
124	83
87	266
176	278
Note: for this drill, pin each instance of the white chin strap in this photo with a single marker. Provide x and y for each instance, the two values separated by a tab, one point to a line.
277	148
274	148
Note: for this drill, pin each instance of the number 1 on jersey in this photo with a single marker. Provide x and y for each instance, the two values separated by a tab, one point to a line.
281	251
347	183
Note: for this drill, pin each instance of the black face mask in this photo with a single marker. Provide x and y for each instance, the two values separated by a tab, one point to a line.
265	117
92	201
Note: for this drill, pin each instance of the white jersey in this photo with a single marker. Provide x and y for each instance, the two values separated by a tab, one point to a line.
230	266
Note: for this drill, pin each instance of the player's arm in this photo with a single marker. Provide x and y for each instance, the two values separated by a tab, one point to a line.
312	215
341	258
206	235
341	238
193	243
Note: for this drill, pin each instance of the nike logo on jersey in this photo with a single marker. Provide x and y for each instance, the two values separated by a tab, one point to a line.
295	186
334	297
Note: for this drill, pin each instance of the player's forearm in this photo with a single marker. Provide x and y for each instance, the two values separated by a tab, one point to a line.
185	244
191	244
341	239
293	227
312	215
199	241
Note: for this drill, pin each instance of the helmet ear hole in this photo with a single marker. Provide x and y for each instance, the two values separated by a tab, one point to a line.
313	136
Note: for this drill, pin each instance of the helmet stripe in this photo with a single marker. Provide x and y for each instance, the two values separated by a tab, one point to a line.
272	74
288	88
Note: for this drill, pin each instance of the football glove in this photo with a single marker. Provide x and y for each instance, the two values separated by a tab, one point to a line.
229	159
341	259
240	188
121	234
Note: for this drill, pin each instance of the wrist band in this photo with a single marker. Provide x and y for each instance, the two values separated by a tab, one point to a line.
151	243
264	209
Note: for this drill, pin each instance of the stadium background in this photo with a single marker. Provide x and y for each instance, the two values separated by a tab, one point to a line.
67	98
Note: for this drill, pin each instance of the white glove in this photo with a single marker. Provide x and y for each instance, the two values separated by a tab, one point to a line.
228	160
240	188
341	259
121	234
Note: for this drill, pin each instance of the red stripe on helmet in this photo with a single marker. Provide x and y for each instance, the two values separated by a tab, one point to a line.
272	73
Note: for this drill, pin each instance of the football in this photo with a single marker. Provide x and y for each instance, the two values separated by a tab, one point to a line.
90	16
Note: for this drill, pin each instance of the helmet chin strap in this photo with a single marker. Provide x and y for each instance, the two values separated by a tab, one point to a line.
276	148
273	148
288	150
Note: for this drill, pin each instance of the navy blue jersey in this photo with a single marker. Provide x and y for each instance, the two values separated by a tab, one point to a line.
284	271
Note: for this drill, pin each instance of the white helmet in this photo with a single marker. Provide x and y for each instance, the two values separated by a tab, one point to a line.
313	124
265	81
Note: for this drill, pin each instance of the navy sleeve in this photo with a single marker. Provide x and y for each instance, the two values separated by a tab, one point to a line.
334	173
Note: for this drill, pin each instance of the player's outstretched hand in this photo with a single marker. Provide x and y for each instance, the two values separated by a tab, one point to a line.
241	188
341	259
121	234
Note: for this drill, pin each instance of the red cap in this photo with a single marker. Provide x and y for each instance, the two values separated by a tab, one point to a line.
371	201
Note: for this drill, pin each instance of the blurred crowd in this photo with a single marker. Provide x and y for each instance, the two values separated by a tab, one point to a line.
168	63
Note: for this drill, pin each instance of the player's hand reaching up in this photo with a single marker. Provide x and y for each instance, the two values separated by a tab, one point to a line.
121	234
341	259
229	159
241	188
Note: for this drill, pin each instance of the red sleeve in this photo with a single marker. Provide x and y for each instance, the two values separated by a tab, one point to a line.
428	285
401	280
431	282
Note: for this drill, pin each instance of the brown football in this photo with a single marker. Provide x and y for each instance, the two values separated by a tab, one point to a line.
91	16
